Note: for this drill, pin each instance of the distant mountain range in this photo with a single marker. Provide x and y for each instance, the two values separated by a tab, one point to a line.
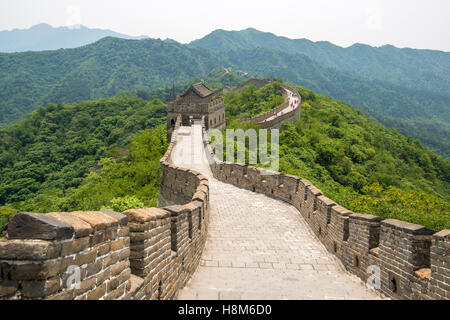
45	37
417	69
403	88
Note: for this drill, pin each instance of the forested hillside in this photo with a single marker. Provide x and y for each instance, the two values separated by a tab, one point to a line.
361	164
83	156
111	66
102	69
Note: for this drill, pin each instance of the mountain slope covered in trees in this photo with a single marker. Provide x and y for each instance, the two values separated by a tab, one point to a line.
110	66
83	156
424	70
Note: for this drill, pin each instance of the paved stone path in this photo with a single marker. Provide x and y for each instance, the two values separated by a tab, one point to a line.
258	247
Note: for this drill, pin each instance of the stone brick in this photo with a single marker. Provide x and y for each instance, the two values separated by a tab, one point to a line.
74	246
145	215
110	259
96	238
97	293
27	225
86	257
103	249
117	244
98	220
123	219
8	288
103	276
27	250
119	267
86	285
81	228
94	268
34	271
40	289
124	254
64	295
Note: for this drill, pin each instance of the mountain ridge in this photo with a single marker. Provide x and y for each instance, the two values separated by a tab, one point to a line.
111	65
43	36
384	60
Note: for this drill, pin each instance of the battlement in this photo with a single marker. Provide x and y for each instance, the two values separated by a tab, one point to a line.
411	261
138	254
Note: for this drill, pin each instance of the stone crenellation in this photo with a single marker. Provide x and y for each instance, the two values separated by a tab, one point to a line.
103	255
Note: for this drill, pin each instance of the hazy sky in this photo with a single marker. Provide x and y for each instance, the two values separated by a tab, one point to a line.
403	23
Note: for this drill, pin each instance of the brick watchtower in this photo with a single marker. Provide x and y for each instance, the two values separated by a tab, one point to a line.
196	102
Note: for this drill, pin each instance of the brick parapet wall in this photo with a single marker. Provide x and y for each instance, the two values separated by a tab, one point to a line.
413	261
138	254
43	255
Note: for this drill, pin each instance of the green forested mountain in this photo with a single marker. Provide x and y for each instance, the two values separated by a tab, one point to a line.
424	70
360	164
111	66
102	69
424	116
83	156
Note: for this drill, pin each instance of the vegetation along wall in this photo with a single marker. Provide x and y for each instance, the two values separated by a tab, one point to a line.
133	255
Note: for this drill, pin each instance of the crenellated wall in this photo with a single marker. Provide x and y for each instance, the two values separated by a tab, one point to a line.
412	262
276	122
138	254
151	253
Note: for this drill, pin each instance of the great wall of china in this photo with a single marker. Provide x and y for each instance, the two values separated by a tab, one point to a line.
227	231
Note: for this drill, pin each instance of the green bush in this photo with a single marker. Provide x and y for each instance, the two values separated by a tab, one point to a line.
125	203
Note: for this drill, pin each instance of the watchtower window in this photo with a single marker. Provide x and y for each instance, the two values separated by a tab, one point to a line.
172	123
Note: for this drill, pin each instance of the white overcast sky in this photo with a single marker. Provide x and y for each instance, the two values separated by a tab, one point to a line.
421	24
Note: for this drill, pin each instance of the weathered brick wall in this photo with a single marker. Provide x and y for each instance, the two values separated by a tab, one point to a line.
138	254
412	261
43	255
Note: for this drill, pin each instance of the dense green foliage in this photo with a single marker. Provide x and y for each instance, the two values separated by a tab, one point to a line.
251	101
101	69
110	66
403	88
83	156
422	115
364	166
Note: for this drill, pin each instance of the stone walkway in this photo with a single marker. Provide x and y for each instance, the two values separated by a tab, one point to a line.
258	247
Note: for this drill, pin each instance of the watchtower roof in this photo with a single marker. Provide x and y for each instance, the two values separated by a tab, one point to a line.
200	89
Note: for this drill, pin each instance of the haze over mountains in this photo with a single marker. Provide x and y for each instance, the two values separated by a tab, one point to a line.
403	88
45	37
